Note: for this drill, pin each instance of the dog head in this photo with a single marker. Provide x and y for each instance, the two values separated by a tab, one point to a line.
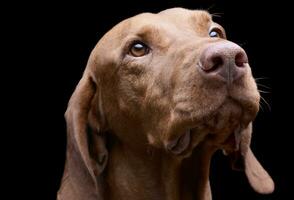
170	81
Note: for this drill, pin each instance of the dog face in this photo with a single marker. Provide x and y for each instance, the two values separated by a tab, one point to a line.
168	83
176	78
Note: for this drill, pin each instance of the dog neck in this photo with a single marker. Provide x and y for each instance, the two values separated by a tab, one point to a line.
157	174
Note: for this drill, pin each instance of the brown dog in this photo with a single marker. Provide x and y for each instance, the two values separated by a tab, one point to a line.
160	94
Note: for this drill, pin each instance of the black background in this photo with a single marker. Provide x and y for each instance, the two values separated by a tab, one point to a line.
48	47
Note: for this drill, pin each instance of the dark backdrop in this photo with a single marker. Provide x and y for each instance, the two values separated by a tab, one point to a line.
51	44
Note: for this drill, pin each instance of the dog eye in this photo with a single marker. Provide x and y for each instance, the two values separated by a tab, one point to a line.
215	32
139	49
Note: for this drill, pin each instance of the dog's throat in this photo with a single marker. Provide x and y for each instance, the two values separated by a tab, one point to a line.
180	144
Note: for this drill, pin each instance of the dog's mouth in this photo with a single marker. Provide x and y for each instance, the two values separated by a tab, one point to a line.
180	144
215	128
187	141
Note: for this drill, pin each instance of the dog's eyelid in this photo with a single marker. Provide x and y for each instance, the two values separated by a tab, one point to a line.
138	49
218	30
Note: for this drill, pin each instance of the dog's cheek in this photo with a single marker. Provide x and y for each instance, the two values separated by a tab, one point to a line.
132	86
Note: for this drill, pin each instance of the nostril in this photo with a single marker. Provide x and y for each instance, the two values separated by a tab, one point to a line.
212	63
241	59
218	61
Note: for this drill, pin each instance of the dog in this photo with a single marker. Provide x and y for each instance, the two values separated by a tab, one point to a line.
159	95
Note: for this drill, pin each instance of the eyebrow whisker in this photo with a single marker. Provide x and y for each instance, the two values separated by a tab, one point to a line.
210	7
216	14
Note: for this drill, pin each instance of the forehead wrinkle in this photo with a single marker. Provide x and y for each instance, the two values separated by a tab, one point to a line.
193	21
152	29
200	21
201	16
149	31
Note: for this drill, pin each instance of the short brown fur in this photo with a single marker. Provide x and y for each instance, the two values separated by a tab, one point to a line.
125	111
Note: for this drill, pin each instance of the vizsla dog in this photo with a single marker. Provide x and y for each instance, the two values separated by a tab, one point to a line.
160	94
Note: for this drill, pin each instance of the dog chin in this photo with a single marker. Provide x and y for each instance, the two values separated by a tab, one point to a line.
215	128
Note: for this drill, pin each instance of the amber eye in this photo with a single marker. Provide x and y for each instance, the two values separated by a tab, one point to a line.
139	49
215	32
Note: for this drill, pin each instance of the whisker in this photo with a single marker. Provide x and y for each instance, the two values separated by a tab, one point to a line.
261	78
216	14
210	7
261	85
242	44
261	108
263	91
266	103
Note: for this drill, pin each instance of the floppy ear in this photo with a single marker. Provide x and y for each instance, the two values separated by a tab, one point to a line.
242	158
86	149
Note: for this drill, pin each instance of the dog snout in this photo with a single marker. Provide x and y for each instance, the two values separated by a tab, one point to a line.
223	60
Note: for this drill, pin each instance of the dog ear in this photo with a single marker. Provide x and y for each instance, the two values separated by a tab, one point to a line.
87	155
242	158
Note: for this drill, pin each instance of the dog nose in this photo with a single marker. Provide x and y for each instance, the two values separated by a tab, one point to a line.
223	60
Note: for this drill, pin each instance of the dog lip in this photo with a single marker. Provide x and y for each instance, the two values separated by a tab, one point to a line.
180	144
